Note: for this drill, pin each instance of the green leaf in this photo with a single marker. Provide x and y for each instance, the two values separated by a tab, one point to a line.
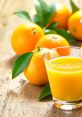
37	20
44	13
49	14
47	31
73	6
67	36
21	63
53	26
24	15
45	92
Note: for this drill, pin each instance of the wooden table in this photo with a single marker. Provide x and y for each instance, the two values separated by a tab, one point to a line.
18	98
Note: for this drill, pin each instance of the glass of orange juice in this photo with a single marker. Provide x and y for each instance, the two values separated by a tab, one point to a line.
65	76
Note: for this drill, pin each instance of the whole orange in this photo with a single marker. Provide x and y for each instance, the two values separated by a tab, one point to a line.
25	36
61	16
75	25
35	72
53	41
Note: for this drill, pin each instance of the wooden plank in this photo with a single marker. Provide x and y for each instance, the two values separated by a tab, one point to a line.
2	5
18	98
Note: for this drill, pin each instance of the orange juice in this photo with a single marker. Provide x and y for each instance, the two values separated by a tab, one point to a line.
65	78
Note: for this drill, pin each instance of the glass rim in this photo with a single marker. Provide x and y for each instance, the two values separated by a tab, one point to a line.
60	63
77	47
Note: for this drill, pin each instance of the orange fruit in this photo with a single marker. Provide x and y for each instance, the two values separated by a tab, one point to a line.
25	37
61	16
75	25
35	72
53	41
63	51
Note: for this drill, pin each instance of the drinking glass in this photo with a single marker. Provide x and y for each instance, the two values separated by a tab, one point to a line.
64	72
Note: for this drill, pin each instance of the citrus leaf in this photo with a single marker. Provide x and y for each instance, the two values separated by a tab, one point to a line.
21	63
44	12
47	31
23	14
45	92
53	26
39	17
37	20
73	6
67	36
49	14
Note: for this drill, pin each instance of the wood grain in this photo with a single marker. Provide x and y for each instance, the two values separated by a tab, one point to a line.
18	98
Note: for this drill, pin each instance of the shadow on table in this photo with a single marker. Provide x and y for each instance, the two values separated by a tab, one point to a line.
54	112
30	91
10	61
20	88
